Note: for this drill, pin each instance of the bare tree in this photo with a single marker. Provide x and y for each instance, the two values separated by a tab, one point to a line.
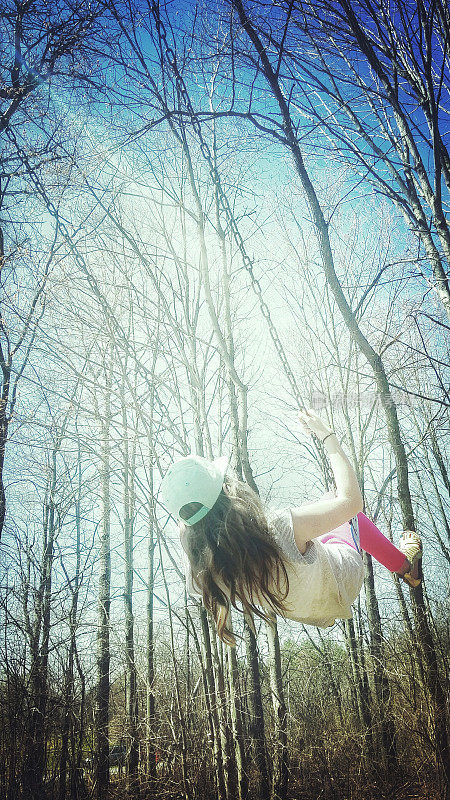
104	589
129	503
39	47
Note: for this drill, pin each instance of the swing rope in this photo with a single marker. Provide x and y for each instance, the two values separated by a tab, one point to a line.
246	260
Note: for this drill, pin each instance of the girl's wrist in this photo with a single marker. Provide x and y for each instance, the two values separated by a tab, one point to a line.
332	433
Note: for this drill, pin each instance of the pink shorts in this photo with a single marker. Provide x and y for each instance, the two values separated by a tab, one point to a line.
340	535
368	538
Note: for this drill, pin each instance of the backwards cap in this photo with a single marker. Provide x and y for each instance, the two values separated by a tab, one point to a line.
193	479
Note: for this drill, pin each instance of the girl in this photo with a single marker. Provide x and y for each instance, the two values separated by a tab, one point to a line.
303	563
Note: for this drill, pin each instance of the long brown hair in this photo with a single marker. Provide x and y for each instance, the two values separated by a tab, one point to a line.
232	547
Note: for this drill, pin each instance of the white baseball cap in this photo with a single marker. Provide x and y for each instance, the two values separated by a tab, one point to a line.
193	479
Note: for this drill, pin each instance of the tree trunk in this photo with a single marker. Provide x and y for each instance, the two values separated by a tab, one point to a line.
380	678
256	713
229	766
181	735
280	769
128	468
101	723
3	438
361	690
68	719
150	667
236	720
217	744
35	761
5	363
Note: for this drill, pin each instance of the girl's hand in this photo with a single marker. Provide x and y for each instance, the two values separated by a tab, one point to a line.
310	423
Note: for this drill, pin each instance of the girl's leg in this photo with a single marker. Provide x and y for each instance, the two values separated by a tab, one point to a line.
377	545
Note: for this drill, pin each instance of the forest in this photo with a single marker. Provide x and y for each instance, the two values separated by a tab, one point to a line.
214	213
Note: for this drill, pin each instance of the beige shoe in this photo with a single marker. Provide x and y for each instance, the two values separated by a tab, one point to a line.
411	547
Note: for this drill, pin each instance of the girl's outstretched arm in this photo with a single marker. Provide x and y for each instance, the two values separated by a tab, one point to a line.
315	519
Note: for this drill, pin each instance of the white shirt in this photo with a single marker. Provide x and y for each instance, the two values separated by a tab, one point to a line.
323	582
